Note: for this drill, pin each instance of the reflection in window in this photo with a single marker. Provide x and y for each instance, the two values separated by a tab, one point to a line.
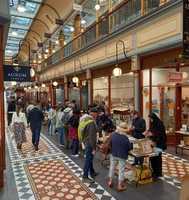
100	90
122	92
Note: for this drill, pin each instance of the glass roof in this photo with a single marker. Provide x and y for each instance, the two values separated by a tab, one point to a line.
21	21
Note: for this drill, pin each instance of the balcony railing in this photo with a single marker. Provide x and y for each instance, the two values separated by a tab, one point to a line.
122	16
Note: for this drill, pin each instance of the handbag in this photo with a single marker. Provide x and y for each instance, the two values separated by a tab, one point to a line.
105	148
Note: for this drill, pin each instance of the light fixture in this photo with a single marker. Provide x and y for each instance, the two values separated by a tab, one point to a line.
55	84
34	61
21	8
39	56
32	72
14	33
83	22
97	7
25	89
29	88
117	71
184	75
36	87
65	42
72	29
53	51
57	42
43	85
13	83
45	56
75	80
47	50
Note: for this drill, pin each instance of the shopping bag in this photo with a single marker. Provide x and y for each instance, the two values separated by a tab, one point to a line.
144	177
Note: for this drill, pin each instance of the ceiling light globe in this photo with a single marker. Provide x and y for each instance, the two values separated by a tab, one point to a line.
97	7
55	84
117	71
75	79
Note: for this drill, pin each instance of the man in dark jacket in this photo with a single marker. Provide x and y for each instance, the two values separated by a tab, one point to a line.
35	119
90	141
138	126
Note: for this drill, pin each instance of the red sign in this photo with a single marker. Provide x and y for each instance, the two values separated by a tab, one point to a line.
175	77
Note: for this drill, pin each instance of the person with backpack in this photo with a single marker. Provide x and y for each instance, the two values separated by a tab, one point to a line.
73	132
89	137
59	124
67	114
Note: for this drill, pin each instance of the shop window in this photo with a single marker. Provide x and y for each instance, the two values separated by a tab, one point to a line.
74	94
185	96
59	95
100	90
163	96
122	92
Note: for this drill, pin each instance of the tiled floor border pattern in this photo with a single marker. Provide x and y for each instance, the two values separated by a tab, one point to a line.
22	182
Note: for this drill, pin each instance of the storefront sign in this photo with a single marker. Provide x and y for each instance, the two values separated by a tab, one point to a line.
18	73
175	77
186	28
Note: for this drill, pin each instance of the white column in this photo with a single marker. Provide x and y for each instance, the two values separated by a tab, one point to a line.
89	81
135	67
66	87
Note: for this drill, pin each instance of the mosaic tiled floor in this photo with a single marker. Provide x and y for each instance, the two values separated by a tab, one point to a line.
174	169
50	174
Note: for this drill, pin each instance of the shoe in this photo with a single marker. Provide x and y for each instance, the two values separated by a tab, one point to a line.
36	148
121	187
75	155
94	175
88	180
110	183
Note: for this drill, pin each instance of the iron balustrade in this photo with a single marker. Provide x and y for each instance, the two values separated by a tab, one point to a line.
125	14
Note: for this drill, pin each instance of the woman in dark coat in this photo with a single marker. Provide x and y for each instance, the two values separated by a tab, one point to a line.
158	135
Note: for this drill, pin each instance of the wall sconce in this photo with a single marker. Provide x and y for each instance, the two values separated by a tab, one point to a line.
117	71
43	85
55	84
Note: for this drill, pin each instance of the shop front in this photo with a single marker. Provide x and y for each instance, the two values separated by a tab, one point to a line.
161	90
79	91
116	91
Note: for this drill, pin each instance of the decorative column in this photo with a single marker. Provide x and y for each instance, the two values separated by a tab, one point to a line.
135	67
89	81
142	7
77	25
52	94
50	47
2	119
61	39
65	88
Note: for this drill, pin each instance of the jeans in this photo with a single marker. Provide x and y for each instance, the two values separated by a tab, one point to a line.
121	163
61	132
88	166
35	135
51	128
75	146
66	139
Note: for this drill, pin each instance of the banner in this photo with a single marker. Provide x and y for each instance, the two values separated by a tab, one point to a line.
186	28
17	73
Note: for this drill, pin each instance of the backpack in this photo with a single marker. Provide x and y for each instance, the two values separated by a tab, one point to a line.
67	114
81	128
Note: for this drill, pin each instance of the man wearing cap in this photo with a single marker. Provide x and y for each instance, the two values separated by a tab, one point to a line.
90	141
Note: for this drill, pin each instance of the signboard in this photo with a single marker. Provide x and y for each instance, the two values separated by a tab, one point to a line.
186	28
175	77
77	7
17	73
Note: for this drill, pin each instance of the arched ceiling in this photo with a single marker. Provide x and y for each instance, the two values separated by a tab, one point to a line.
39	18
